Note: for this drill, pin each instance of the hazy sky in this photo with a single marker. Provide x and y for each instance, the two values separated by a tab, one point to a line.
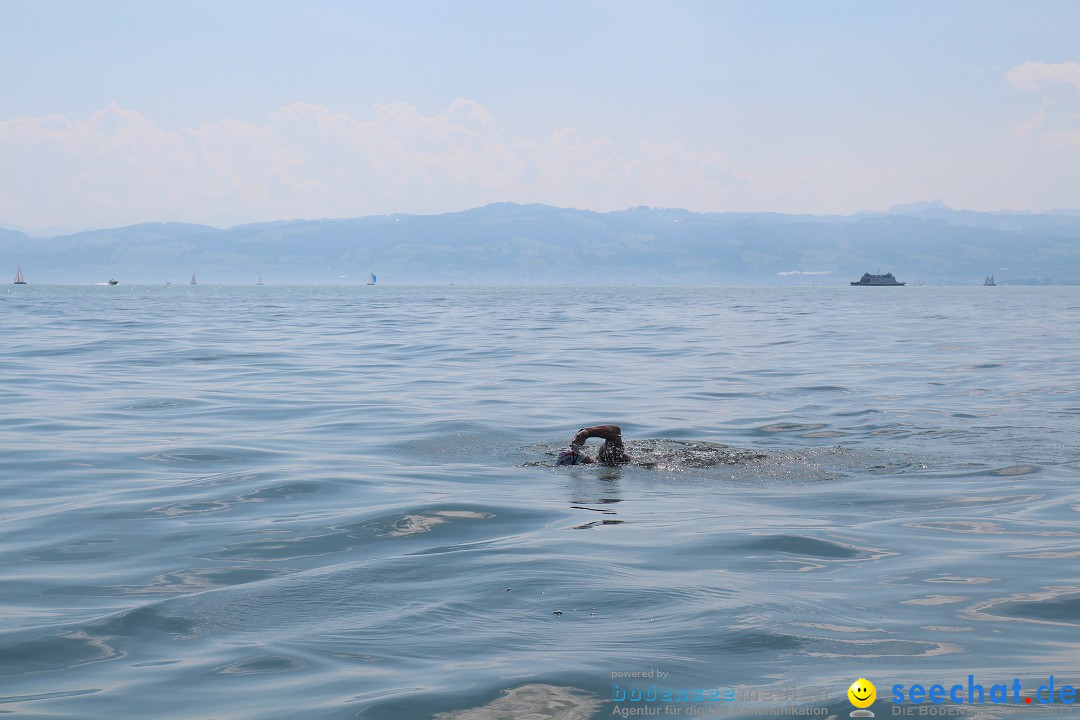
233	111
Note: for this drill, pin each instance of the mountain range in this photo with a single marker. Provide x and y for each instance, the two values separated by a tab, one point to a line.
510	244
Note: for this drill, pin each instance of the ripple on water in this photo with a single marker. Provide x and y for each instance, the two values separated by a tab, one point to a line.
413	524
46	696
157	404
754	640
142	622
935	600
985	527
791	553
458	524
974	527
802	545
209	506
875	648
790	427
1050	606
172	583
534	702
56	652
261	665
189	457
961	580
208	456
1016	470
799	553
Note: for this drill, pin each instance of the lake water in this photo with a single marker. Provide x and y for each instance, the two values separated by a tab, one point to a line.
341	502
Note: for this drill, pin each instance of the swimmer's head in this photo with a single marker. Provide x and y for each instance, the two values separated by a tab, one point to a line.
570	456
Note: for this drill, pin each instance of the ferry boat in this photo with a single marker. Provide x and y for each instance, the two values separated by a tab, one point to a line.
886	279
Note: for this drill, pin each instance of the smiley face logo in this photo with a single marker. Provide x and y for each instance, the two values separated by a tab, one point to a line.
862	693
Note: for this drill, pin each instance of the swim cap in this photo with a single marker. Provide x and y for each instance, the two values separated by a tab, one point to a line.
570	456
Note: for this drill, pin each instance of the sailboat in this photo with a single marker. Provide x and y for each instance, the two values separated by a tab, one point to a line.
371	279
260	281
193	282
989	281
19	277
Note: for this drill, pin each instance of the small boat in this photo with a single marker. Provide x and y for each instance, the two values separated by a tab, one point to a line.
884	280
989	281
260	281
371	279
19	277
193	282
114	281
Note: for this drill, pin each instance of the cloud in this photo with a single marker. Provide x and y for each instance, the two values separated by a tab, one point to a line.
1034	122
1063	138
118	166
1032	76
1053	124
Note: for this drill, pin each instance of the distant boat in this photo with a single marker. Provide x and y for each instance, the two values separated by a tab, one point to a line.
193	281
989	281
260	281
113	281
371	279
19	277
886	279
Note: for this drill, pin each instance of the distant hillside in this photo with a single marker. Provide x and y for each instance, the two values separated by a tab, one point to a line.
535	244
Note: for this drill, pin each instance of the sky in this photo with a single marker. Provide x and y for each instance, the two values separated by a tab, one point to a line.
235	111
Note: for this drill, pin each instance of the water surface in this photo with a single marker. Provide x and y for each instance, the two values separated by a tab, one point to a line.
339	502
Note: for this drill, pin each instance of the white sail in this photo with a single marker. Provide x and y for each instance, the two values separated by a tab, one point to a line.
260	281
371	279
19	277
193	282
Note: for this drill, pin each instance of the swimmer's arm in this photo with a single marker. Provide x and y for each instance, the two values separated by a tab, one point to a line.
608	433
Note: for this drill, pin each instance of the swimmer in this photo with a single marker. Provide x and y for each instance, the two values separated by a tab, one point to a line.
611	452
